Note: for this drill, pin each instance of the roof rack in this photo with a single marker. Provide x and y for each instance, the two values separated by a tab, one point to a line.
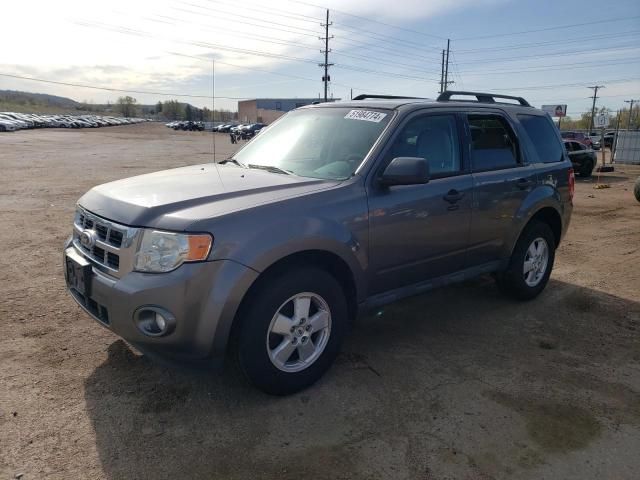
480	97
364	96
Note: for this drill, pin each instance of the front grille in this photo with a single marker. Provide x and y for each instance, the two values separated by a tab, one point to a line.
115	238
97	310
98	254
105	232
113	260
114	246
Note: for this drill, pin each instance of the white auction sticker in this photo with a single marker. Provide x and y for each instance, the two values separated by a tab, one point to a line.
366	115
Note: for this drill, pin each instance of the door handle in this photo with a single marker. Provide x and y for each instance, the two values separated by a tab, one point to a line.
524	183
453	196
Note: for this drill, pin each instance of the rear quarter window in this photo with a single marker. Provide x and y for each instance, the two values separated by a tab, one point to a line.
544	137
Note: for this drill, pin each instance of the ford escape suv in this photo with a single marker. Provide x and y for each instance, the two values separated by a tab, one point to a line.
333	209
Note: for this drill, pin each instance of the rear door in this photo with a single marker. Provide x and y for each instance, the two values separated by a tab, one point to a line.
501	182
418	232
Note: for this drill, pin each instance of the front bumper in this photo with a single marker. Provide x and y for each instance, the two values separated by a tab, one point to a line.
203	297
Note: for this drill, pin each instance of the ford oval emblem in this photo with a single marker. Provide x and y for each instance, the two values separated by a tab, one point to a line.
87	239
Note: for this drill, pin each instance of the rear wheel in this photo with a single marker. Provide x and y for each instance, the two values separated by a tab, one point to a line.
291	330
636	189
531	263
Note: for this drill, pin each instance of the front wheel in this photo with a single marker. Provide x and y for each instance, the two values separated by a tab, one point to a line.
531	262
291	330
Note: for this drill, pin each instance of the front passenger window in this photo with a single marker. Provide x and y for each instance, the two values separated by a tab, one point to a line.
493	145
433	137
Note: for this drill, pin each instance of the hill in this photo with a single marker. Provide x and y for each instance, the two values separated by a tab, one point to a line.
11	100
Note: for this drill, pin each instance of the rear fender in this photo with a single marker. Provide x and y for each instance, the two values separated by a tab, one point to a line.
541	197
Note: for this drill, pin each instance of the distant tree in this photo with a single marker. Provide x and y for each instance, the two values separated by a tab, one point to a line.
635	118
159	107
172	110
206	114
127	106
188	112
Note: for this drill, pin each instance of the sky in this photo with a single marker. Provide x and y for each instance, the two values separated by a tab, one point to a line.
548	51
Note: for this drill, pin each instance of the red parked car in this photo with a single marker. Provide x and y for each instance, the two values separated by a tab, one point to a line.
578	137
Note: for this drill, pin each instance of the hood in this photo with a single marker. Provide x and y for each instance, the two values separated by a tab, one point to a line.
173	199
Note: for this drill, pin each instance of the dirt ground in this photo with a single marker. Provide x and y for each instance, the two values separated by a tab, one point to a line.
460	383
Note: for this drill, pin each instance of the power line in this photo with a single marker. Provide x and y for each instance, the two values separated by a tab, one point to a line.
389	51
342	12
240	33
383	37
559	67
406	66
258	53
301	31
582	84
551	54
109	89
281	13
296	77
552	42
208	58
547	29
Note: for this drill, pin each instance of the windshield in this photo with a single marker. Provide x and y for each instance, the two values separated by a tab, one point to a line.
328	143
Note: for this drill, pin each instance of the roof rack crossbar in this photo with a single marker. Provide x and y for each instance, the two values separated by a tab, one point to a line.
364	96
481	97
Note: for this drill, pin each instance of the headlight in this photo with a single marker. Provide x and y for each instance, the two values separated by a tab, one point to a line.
165	251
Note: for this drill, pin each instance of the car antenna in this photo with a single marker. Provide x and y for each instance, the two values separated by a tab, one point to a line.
213	116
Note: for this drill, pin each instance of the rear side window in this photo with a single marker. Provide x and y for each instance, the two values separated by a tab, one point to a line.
493	145
542	134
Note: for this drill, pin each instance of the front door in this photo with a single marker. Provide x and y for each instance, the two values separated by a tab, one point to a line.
419	232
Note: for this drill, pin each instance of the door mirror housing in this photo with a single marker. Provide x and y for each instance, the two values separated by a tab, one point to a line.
405	171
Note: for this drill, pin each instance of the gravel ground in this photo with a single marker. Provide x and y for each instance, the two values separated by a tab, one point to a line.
460	383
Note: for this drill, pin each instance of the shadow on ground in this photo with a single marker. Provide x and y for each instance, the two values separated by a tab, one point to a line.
458	383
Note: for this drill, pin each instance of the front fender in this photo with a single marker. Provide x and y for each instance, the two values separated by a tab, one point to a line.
264	246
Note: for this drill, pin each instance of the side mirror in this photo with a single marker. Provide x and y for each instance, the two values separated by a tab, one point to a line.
405	171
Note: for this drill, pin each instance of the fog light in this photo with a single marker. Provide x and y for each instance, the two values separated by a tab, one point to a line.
154	321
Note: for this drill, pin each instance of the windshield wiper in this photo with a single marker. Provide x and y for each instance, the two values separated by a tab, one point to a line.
232	160
270	168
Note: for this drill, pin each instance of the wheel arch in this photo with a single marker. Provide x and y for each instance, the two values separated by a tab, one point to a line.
547	214
323	259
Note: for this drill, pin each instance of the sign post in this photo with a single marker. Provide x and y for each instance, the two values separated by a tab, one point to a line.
602	122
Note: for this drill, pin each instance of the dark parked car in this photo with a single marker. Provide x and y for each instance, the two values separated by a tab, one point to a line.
577	136
252	130
582	157
609	138
334	209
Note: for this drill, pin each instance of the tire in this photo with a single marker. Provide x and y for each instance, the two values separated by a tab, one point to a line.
586	169
300	362
526	286
636	189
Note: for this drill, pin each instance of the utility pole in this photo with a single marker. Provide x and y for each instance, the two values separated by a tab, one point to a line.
442	73
631	102
593	106
326	51
446	70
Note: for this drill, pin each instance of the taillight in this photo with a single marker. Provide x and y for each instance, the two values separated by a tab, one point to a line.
572	183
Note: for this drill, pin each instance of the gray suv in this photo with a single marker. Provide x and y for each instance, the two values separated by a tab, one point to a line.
333	209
